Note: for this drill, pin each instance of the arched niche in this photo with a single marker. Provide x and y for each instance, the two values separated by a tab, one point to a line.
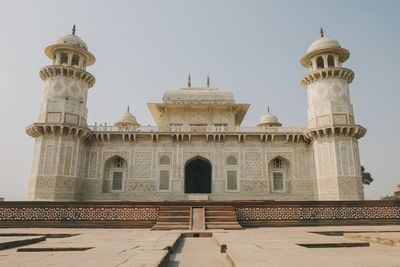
198	176
115	172
279	169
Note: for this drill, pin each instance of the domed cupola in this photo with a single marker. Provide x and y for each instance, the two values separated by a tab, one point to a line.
324	53
269	120
70	50
127	120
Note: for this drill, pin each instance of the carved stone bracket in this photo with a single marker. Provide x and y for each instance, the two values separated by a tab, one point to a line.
319	74
61	129
355	131
59	70
126	136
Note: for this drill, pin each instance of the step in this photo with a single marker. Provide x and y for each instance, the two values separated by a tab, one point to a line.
170	227
223	225
173	218
174	208
222	208
221	219
220	213
174	213
172	223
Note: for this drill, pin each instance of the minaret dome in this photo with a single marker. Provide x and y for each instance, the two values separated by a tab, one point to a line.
70	50
324	53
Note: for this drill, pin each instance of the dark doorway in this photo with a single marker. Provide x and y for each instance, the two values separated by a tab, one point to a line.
198	176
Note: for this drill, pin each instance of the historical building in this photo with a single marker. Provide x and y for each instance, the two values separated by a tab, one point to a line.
198	150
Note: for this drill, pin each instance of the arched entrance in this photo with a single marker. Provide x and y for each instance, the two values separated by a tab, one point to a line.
198	176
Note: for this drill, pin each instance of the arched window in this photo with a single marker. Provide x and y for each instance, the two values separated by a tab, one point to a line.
118	162
64	59
164	160
115	170
231	160
330	61
278	171
277	163
75	61
320	63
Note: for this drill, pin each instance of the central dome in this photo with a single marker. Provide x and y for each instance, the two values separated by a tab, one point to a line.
198	95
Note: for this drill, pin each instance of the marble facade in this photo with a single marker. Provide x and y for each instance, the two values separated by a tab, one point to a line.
200	125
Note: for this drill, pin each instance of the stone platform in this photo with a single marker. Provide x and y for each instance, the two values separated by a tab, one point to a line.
263	246
247	213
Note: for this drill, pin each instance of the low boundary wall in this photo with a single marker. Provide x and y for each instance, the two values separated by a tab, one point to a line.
137	214
297	213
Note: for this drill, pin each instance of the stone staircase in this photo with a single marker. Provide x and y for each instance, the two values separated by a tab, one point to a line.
173	217
221	217
181	217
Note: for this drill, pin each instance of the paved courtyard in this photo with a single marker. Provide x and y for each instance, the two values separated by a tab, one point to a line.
248	247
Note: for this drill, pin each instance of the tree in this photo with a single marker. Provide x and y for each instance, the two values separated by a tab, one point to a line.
388	197
366	176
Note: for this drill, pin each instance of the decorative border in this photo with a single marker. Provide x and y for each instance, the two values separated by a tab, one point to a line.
316	213
78	214
135	214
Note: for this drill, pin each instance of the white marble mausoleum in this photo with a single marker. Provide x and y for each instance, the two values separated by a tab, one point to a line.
198	148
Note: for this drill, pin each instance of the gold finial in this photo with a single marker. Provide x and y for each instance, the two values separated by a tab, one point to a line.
73	30
321	31
268	109
208	81
189	81
128	108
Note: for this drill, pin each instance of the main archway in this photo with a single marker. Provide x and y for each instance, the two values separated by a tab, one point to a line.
198	176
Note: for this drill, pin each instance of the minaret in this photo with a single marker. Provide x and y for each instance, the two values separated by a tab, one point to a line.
331	125
62	121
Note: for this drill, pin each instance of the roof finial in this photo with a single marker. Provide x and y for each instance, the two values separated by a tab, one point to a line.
128	108
73	30
208	81
189	81
321	31
268	109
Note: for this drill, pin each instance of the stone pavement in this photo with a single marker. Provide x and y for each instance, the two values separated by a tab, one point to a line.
391	239
248	247
278	247
111	247
198	252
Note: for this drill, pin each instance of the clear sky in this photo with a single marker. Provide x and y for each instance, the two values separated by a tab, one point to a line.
251	48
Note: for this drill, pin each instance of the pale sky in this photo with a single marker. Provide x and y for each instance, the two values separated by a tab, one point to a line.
251	48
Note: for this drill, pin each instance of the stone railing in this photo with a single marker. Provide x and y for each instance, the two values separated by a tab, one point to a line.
238	129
